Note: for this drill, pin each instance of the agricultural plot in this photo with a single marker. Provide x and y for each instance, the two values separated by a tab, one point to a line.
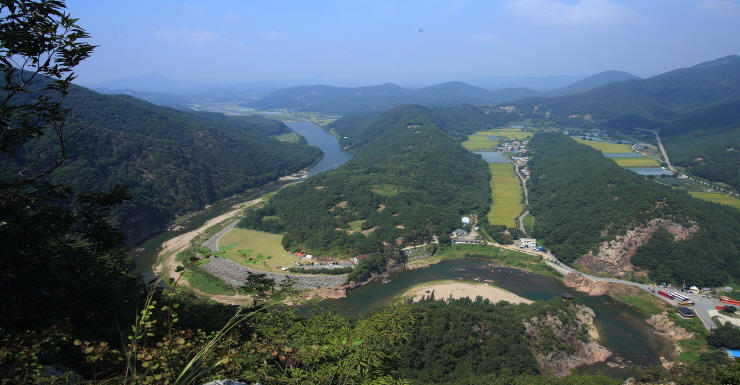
254	249
506	193
606	147
718	198
482	139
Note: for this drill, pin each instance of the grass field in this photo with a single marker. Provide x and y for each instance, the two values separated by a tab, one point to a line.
480	139
255	244
719	198
606	147
506	194
636	162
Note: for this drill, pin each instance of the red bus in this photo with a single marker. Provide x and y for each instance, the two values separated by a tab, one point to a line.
729	301
664	294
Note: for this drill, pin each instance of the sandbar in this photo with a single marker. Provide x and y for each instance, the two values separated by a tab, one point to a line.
460	289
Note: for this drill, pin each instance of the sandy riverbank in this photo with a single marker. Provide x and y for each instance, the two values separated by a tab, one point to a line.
460	289
166	259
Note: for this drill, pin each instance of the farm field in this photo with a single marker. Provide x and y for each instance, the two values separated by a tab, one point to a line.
506	193
606	147
719	198
636	162
255	244
481	140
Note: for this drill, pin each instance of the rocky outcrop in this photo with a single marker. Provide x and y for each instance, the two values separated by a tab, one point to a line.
615	256
596	288
559	347
664	326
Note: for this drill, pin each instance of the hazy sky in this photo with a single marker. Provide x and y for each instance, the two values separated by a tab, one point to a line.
367	42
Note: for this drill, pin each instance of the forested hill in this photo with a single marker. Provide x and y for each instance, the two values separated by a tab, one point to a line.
585	205
173	161
376	99
408	181
643	102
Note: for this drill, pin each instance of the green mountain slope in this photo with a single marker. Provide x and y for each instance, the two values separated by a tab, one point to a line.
173	161
585	205
660	98
408	182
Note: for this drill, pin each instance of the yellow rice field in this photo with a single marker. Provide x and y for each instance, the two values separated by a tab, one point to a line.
480	139
606	147
719	198
636	162
506	193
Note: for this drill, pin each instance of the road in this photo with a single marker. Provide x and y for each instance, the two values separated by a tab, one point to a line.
662	149
520	218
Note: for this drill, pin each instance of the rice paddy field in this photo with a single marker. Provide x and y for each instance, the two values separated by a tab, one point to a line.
606	147
261	247
481	139
506	193
719	198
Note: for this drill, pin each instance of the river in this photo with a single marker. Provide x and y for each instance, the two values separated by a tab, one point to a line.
623	329
334	156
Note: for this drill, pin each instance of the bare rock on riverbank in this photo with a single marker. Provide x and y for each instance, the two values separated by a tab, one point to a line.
541	332
596	288
663	325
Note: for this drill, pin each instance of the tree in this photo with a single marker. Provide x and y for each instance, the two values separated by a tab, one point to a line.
60	258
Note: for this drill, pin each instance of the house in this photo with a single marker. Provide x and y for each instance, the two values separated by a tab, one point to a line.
732	354
469	241
459	233
528	242
685	312
358	258
465	220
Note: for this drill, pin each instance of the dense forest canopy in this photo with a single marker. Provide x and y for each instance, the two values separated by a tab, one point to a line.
409	180
172	161
582	199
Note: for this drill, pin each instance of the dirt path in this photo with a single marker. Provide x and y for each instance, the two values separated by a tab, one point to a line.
167	258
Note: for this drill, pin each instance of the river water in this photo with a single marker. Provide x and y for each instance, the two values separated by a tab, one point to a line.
623	329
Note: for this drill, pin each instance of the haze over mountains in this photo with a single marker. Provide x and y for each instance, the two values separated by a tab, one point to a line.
161	90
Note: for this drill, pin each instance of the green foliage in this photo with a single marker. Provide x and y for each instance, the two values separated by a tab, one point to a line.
206	282
174	162
582	199
457	340
396	186
724	336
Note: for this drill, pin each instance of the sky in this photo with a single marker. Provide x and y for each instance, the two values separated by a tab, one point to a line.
370	42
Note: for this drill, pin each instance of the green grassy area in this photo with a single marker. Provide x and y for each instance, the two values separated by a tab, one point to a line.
253	248
694	347
647	303
636	162
292	137
528	222
207	283
607	147
717	197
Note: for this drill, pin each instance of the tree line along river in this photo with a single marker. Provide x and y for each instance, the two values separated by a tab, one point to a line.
623	329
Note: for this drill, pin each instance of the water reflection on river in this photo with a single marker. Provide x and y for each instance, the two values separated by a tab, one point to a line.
623	329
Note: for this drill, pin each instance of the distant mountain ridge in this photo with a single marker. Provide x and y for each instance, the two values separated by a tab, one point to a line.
363	100
161	90
658	99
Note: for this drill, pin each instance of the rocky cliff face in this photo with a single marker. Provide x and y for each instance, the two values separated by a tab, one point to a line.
615	256
560	346
595	288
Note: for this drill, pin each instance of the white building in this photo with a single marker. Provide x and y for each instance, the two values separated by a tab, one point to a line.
528	242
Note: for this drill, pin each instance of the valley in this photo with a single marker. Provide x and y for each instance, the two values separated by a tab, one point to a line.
316	234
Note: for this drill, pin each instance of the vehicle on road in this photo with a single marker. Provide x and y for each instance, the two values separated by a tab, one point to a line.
686	303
